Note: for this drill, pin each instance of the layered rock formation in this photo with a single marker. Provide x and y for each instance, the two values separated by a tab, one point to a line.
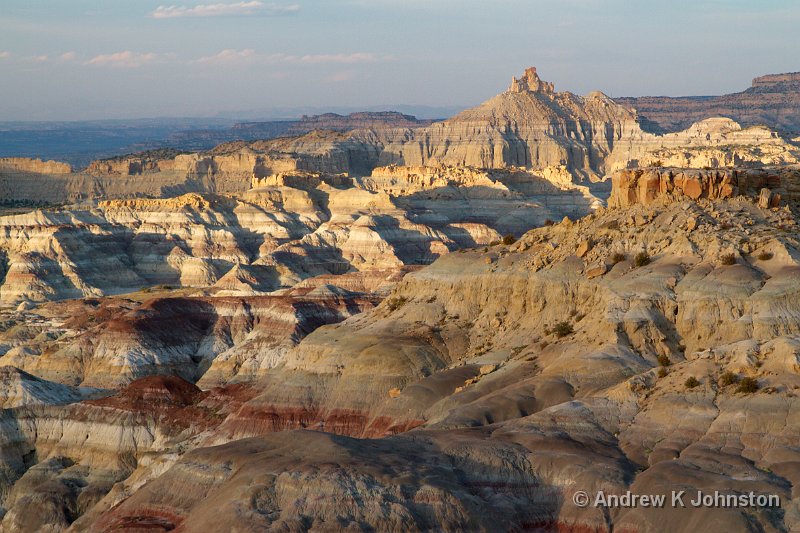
529	126
711	143
292	226
772	100
646	186
283	359
565	361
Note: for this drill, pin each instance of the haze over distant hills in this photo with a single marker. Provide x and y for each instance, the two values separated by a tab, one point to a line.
772	100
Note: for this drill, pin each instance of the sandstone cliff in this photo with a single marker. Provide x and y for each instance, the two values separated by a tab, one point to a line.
494	384
647	186
292	226
530	125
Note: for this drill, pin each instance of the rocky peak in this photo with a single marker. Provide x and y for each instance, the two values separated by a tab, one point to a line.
531	82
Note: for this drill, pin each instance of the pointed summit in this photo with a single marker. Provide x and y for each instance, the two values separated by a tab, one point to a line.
531	82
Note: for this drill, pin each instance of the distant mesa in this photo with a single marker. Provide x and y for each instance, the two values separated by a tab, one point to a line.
772	100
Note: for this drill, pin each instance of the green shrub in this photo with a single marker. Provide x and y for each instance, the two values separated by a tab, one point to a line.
396	303
562	329
728	259
765	256
618	258
747	385
664	360
728	378
509	239
691	383
641	259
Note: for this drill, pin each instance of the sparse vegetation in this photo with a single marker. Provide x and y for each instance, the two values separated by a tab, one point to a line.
691	383
641	259
657	163
728	259
728	378
765	256
664	360
396	303
562	329
662	372
747	385
618	257
509	239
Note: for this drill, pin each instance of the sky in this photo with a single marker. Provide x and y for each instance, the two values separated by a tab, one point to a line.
102	59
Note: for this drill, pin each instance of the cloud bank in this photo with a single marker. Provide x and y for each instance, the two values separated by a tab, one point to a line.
126	59
254	7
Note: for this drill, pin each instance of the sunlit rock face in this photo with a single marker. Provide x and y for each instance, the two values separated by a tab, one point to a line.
439	327
498	380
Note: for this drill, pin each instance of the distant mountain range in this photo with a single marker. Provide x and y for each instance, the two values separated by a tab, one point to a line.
772	100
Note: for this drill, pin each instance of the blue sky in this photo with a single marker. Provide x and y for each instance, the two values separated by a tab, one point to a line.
90	59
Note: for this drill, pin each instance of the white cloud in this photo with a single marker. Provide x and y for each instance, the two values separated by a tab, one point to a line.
4	54
126	59
248	55
228	56
254	7
68	56
39	59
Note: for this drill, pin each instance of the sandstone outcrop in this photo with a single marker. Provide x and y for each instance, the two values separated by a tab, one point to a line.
646	186
292	226
711	143
531	126
521	410
356	344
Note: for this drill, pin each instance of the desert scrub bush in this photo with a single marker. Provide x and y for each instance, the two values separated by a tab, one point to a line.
657	163
509	239
641	259
562	329
765	256
728	378
664	360
691	383
548	222
662	372
618	257
728	259
747	385
396	303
